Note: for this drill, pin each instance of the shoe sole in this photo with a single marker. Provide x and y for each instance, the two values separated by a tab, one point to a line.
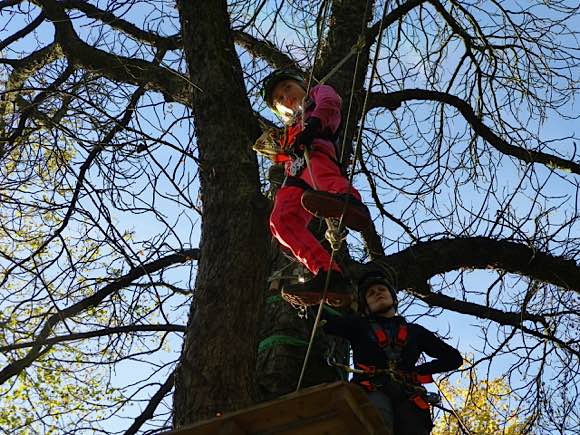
304	299
325	206
309	299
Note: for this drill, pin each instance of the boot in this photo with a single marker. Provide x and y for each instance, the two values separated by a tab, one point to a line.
331	205
310	292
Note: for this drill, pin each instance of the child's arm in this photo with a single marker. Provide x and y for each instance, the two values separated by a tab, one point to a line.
446	357
327	107
341	325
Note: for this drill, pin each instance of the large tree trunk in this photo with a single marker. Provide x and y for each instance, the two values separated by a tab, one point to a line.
285	333
219	354
216	370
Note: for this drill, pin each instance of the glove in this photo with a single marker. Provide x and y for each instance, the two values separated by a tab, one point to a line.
305	137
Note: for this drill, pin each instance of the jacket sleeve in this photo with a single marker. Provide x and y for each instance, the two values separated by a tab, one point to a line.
327	107
446	357
341	325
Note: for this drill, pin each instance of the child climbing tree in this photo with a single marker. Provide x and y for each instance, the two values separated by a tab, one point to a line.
134	214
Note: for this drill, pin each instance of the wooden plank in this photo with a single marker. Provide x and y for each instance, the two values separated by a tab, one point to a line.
339	408
321	424
350	412
230	427
298	406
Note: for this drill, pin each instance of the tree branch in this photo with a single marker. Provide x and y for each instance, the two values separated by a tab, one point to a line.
393	100
477	310
23	32
91	11
95	151
8	3
264	49
502	317
418	263
23	69
91	334
119	68
17	366
152	405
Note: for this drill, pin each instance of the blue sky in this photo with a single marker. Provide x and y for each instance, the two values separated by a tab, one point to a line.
462	330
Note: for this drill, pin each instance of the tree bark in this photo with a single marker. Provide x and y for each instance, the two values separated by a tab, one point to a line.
216	370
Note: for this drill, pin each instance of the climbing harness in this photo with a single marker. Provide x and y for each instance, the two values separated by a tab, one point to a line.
417	393
392	349
375	377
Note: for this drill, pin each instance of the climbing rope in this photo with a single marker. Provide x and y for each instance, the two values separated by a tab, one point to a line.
307	157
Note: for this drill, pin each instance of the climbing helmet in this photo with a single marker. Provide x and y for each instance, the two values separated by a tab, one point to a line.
367	280
275	77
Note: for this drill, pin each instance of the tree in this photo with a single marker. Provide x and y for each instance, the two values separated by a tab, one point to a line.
482	408
130	192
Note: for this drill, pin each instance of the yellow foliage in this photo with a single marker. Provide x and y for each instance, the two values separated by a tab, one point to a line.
484	409
60	396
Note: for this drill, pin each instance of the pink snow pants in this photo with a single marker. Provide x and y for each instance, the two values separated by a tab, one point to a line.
289	220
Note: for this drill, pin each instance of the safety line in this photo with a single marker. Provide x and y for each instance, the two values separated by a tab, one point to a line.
307	157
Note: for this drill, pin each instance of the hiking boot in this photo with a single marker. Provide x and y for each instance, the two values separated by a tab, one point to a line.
331	205
310	292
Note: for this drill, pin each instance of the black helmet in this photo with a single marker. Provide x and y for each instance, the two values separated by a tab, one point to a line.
275	77
370	278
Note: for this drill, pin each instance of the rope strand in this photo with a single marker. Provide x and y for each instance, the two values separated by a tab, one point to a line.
307	157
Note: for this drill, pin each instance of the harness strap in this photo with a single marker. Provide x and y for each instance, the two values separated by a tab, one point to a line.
418	395
424	379
391	350
420	402
402	335
326	134
292	181
379	335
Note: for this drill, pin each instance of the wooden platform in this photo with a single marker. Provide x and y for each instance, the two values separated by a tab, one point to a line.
339	408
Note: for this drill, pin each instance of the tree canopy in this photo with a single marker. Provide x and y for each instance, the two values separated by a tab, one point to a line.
130	197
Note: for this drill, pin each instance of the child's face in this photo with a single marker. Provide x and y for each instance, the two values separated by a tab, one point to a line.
288	96
379	298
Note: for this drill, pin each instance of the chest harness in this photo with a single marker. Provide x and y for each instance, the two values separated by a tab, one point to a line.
392	348
298	162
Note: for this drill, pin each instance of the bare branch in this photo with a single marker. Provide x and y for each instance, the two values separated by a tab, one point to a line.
155	400
127	329
92	11
418	263
393	100
23	32
92	301
123	69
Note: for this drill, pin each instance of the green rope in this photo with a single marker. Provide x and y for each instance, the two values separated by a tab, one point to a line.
274	298
277	340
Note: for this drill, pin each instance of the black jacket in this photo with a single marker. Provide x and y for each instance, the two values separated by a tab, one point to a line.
358	331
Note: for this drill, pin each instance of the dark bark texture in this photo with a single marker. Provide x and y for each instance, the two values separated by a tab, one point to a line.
219	355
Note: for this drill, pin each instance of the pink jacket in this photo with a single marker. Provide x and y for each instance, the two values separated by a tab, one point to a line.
324	103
